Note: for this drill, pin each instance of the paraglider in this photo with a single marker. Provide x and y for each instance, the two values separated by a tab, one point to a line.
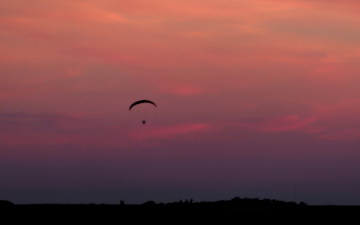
142	102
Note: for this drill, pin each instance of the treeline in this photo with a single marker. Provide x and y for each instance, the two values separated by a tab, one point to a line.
237	201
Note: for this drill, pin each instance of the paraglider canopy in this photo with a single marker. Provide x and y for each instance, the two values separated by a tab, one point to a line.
141	102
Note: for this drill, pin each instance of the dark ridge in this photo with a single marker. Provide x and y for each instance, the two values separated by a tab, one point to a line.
6	203
236	209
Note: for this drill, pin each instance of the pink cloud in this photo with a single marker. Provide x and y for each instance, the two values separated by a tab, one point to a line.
182	90
326	121
345	109
340	120
44	129
169	131
283	123
5	95
347	5
342	134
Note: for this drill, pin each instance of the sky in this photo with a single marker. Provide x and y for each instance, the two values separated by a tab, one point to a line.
256	98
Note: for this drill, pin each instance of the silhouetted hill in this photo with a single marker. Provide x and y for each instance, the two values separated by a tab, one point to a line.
6	203
237	209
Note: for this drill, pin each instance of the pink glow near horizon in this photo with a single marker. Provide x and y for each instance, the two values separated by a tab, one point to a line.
223	73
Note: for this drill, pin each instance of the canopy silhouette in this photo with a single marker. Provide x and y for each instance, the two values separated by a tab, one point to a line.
141	102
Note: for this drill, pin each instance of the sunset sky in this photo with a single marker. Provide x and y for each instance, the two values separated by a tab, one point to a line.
256	98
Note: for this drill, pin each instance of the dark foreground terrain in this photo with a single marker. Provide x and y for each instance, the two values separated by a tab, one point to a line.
235	210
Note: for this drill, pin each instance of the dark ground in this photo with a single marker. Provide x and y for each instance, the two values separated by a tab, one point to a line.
236	211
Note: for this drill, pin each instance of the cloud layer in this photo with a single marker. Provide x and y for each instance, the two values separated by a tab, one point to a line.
235	81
